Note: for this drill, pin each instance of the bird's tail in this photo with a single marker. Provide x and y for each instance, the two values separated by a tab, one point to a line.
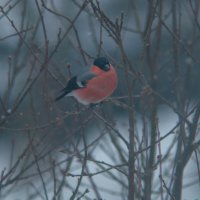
64	93
60	97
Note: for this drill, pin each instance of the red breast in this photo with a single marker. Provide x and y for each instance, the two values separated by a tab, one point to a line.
99	87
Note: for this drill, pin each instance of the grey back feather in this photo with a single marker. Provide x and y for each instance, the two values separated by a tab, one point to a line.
84	78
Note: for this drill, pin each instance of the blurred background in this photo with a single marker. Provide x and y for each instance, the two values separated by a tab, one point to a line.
63	150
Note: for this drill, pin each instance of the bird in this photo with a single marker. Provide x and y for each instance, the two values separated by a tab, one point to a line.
93	86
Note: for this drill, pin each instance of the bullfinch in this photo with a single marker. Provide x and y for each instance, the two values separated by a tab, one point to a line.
94	86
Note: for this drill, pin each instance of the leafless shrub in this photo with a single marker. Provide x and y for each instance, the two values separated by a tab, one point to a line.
50	153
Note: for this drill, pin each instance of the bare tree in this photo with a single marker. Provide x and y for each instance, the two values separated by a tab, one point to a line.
117	150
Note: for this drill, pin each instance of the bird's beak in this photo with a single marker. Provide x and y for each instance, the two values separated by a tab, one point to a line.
107	67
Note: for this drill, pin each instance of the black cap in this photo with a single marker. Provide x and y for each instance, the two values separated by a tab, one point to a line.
102	63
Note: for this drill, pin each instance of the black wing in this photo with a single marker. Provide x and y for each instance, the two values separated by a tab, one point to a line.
76	83
71	85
